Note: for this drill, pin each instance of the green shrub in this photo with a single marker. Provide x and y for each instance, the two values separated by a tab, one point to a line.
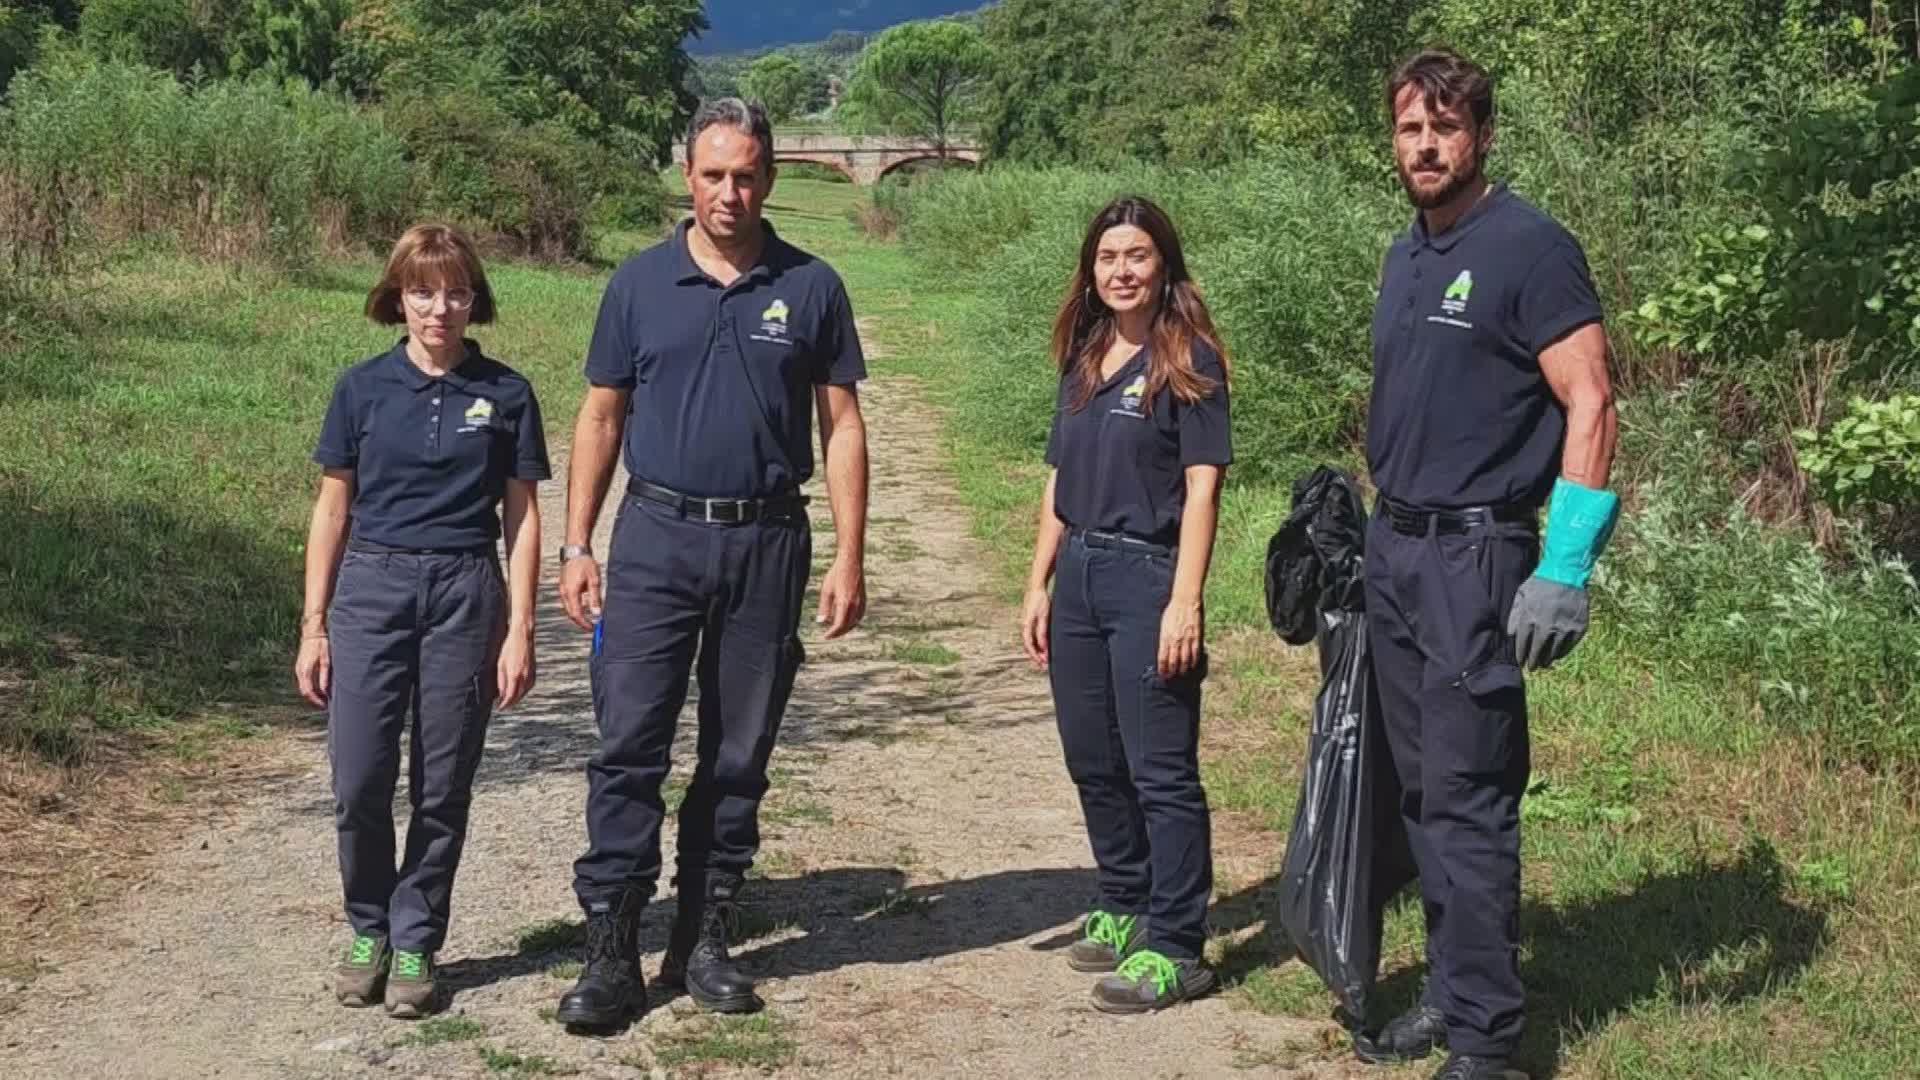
97	151
1870	457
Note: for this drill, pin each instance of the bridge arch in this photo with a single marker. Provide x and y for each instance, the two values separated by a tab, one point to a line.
967	158
831	161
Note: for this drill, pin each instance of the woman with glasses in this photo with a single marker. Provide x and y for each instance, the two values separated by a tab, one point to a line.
1139	447
431	452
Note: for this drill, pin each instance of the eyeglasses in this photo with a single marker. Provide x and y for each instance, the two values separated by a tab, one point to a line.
421	300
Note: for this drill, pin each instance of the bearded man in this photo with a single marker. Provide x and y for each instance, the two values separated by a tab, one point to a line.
1491	400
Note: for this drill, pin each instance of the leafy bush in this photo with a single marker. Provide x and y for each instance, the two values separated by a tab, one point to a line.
1871	456
96	151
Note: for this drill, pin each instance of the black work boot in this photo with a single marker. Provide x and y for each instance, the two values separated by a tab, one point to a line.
610	991
1471	1067
1412	1035
697	951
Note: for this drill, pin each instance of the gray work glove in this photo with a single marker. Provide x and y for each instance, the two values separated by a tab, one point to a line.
1547	621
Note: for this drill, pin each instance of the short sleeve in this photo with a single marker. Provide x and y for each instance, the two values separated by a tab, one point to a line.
610	354
530	447
841	362
339	446
1206	431
1053	431
1556	296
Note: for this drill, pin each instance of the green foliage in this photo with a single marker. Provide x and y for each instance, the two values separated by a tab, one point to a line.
19	40
179	36
98	150
785	85
532	188
920	78
289	38
1870	457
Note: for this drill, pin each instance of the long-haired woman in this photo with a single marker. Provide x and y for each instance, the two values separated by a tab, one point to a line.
1138	450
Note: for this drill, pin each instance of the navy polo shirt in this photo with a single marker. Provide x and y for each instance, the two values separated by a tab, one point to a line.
1461	413
431	457
1122	459
721	378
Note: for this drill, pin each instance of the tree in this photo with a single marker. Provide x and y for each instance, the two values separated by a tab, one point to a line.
288	37
786	86
921	78
1045	92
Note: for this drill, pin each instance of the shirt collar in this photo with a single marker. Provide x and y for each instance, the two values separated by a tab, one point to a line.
689	271
1478	213
417	380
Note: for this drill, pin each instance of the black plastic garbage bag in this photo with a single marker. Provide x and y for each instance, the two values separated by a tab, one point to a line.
1347	852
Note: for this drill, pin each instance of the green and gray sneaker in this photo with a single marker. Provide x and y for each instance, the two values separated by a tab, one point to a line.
1148	981
410	990
1107	939
362	973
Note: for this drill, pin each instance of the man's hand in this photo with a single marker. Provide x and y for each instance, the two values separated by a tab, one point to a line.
1548	619
313	670
1035	615
580	591
516	666
843	598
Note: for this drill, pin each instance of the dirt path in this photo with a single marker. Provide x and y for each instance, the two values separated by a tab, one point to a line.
924	864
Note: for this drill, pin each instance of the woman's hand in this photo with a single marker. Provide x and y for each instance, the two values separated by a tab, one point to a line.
1181	631
313	669
516	666
1034	617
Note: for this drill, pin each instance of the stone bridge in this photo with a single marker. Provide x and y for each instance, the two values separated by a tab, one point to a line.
862	159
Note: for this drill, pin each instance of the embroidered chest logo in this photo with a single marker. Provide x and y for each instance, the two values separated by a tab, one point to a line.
773	323
1131	396
479	415
1454	303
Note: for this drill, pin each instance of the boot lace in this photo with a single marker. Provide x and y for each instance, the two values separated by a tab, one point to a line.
603	941
719	924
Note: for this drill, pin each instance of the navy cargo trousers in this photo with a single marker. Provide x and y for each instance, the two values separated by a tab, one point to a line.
675	585
1131	738
409	634
1455	710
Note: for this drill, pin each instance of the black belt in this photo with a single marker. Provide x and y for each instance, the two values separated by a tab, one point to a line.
717	511
1411	521
1119	541
368	547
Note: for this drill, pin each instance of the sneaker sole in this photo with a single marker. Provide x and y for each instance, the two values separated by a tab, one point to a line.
357	1001
1103	967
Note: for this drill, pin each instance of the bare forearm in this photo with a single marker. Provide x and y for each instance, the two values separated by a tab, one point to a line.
596	441
1197	527
1046	544
326	539
846	453
522	527
1592	437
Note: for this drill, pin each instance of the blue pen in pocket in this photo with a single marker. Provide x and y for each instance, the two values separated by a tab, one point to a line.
598	625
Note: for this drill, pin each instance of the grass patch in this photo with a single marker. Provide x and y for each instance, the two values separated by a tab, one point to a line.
436	1030
551	936
565	970
757	1041
922	651
797	811
508	1063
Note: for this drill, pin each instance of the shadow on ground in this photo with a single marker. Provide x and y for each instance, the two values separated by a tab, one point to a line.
1709	934
845	916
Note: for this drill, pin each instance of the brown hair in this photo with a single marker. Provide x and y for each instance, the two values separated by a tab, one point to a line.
1084	329
1445	79
430	255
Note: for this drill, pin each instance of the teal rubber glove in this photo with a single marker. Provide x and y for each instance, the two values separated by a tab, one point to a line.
1549	615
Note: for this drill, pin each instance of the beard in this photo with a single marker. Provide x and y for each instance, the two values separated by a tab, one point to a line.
1456	182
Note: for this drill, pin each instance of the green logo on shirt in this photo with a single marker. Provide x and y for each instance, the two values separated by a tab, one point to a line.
776	313
1462	287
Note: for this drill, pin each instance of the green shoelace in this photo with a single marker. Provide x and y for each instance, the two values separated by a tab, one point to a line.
409	965
1147	964
1110	930
363	951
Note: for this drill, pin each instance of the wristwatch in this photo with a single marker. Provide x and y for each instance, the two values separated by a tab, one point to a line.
570	552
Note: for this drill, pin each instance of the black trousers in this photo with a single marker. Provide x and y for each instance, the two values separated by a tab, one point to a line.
1455	709
684	596
1132	741
409	634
